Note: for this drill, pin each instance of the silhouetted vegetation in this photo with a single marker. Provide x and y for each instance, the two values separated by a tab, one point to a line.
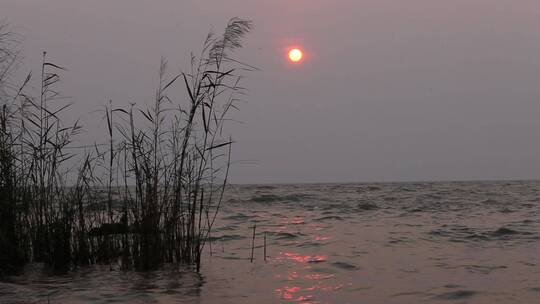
148	196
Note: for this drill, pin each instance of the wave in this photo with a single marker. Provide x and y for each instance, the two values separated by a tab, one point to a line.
366	206
463	233
270	198
238	217
503	231
457	295
329	217
226	237
345	266
284	235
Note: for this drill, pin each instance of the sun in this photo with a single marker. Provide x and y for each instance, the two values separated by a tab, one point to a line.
295	55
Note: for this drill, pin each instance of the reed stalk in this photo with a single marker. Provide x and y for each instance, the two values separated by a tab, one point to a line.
150	197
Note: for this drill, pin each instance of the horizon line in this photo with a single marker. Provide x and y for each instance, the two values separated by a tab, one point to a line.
393	181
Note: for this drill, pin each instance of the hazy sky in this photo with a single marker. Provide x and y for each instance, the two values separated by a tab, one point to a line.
389	90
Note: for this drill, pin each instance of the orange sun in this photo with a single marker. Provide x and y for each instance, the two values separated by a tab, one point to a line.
295	55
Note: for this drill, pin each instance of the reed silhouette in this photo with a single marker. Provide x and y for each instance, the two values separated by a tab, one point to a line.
148	196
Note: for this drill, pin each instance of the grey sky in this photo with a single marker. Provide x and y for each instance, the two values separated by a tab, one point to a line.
389	91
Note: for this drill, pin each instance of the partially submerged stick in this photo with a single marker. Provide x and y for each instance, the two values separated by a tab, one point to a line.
253	242
265	246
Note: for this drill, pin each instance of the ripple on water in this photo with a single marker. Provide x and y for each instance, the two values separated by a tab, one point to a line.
506	231
457	295
460	233
300	258
483	269
345	266
489	201
366	207
310	244
226	237
329	218
270	198
284	235
506	210
238	217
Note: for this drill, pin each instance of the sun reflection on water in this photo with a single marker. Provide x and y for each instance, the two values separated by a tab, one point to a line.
303	288
299	258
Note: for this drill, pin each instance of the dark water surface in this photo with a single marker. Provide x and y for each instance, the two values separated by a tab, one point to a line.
462	242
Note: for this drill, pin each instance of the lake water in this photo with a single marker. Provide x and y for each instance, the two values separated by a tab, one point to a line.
458	242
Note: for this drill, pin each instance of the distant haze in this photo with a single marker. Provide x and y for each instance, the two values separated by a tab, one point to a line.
389	90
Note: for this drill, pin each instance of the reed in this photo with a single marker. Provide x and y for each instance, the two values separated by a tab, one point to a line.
13	250
149	196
